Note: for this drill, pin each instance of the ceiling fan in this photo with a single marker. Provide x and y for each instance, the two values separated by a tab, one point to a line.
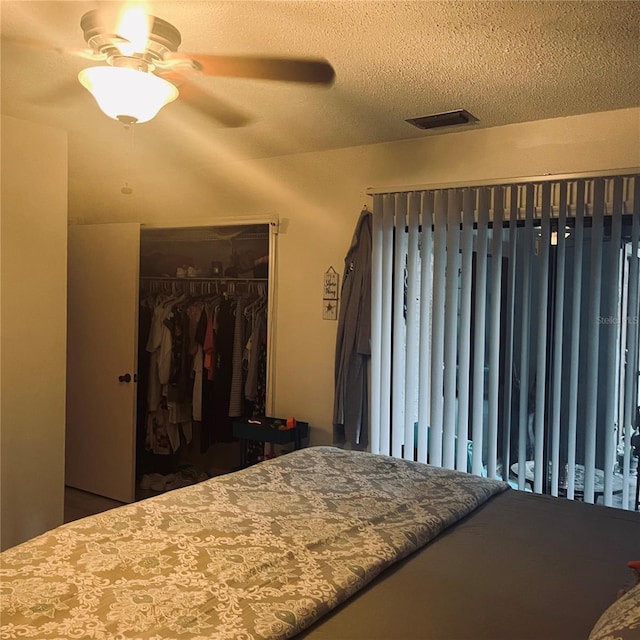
144	70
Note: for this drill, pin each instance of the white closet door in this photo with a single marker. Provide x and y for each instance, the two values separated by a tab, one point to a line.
103	268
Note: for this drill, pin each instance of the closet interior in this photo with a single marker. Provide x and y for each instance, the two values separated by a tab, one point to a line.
202	349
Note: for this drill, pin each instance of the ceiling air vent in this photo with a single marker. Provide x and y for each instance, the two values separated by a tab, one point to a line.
446	119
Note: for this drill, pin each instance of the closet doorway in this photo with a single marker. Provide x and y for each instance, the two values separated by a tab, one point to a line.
113	268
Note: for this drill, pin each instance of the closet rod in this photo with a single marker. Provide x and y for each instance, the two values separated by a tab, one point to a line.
203	286
211	279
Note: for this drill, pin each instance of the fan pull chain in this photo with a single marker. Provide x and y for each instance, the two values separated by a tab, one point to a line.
126	189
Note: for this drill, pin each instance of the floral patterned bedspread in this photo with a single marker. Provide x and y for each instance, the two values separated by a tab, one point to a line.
260	553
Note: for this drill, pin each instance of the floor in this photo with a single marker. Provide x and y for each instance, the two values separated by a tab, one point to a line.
222	459
78	504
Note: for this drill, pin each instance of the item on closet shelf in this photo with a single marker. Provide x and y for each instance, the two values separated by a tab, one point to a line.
181	272
216	268
195	272
261	267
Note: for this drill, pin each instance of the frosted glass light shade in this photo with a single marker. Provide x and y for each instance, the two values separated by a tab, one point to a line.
127	94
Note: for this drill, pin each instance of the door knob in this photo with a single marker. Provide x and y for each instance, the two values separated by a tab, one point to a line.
125	378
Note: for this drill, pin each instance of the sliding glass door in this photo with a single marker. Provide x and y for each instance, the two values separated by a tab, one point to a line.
507	326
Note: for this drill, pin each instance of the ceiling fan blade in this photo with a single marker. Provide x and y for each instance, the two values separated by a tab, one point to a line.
310	70
42	45
205	103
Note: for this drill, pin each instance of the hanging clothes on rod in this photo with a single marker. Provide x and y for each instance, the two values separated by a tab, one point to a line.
169	412
206	346
255	351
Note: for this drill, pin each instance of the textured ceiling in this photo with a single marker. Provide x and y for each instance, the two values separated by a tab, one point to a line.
505	62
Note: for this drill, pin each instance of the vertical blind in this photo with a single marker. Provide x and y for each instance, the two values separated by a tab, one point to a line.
505	331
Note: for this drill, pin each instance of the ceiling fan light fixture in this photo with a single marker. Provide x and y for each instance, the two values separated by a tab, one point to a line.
127	94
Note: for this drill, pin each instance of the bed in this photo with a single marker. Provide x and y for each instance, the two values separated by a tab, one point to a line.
326	544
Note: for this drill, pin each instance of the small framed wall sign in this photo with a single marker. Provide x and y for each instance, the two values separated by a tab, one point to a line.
330	295
331	278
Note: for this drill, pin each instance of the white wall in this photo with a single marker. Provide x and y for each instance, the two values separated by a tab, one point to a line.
33	319
319	196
